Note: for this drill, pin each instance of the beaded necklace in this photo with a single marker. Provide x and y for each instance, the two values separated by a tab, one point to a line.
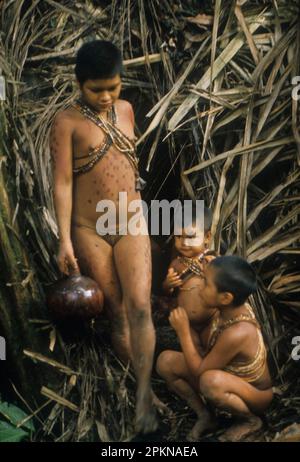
113	136
193	265
250	370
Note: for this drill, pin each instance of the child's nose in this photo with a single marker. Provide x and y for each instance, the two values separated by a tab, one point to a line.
105	97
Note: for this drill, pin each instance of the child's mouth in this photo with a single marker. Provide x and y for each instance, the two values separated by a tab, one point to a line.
186	249
103	105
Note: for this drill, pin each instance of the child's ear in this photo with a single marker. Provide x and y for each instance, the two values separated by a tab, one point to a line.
226	298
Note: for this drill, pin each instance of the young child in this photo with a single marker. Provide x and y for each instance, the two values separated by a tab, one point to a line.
184	280
233	374
93	151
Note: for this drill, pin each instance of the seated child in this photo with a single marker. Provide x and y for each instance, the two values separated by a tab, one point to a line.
184	280
233	374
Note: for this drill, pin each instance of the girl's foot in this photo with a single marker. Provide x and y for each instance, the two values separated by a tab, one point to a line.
145	419
242	428
203	424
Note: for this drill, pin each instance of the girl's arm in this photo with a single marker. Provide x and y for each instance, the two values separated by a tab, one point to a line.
61	154
226	348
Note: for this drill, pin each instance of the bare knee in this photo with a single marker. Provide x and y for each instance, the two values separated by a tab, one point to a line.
212	385
139	309
164	363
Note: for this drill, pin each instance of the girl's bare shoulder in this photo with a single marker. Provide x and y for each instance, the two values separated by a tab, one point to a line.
124	108
68	116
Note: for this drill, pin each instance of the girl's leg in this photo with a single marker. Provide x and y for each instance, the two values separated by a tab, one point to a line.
95	258
231	393
171	366
132	256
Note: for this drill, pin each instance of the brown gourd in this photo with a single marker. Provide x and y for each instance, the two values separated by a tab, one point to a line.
75	297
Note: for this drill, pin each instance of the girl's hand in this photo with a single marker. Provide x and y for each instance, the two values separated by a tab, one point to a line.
172	280
66	260
179	321
209	258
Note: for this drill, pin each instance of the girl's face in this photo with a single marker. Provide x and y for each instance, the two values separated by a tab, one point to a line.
101	94
209	293
192	242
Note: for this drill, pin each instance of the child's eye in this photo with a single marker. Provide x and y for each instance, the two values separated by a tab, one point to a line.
99	90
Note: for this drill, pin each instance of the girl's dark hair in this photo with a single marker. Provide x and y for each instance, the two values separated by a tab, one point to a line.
99	59
235	275
207	217
191	219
